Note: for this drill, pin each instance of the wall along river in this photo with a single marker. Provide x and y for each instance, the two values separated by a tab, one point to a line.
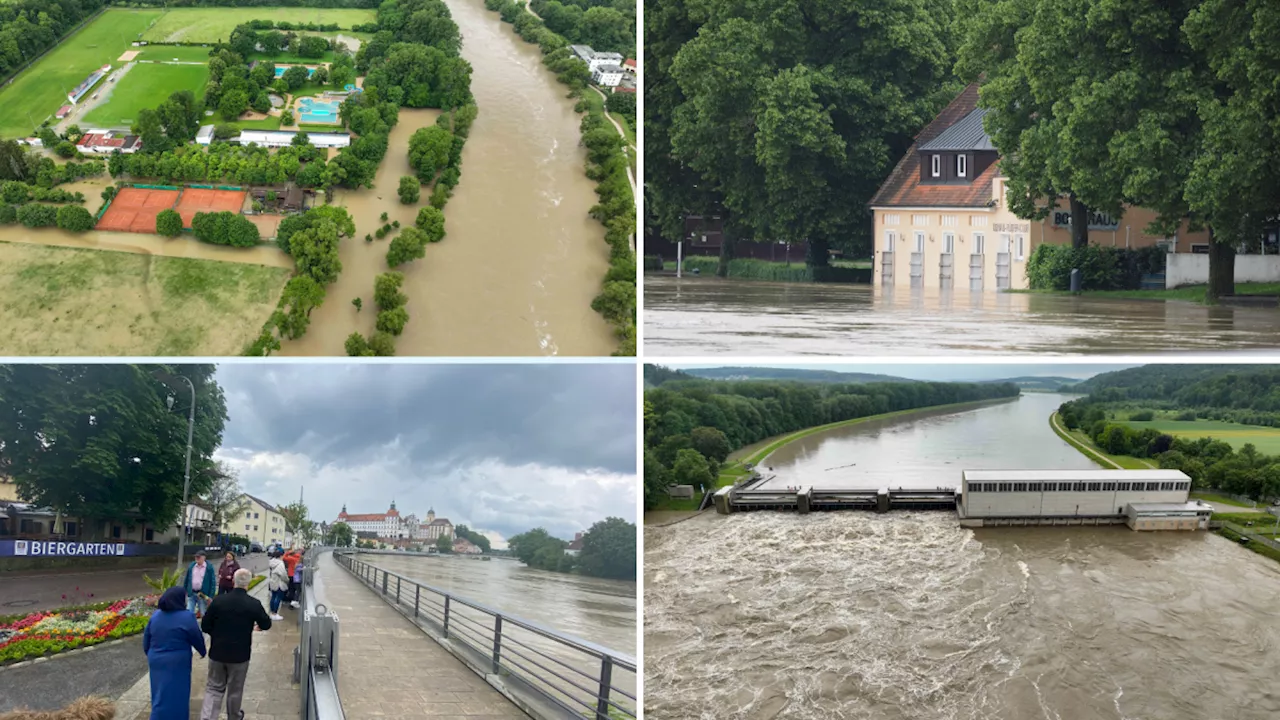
706	316
907	615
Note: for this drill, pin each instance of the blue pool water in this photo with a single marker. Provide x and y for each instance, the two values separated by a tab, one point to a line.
318	110
281	68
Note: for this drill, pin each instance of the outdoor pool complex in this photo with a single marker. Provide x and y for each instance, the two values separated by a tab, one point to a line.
281	68
318	111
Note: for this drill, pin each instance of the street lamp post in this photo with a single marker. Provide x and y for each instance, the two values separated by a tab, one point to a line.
171	381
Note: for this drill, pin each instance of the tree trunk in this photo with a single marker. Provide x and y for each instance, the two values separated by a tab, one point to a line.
1222	269
1079	223
817	255
727	241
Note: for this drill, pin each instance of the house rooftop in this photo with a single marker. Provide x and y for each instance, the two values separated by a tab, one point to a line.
968	134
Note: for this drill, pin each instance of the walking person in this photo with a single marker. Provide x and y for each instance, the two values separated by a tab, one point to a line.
171	635
277	583
229	624
199	584
226	572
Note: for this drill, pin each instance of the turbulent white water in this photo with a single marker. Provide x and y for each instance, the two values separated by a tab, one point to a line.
907	615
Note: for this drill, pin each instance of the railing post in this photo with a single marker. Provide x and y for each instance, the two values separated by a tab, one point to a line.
397	590
384	582
446	617
606	681
497	642
417	591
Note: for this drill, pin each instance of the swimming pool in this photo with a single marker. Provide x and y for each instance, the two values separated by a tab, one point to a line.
318	111
281	68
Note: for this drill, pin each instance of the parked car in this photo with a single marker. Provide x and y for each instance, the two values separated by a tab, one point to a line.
255	547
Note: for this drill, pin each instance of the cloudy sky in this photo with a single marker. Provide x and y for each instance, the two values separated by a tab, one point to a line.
499	448
950	371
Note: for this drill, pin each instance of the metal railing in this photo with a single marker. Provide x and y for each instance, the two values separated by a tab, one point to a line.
547	673
315	660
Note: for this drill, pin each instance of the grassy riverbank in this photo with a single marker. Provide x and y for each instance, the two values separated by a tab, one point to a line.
840	271
1080	441
735	470
1188	293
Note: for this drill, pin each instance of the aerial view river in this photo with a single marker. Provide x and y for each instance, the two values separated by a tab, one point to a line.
906	615
706	316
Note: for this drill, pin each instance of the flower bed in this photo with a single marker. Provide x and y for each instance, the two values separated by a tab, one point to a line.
47	633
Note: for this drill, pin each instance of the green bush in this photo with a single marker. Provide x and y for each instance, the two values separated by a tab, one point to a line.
74	218
168	223
1142	416
409	245
1187	416
431	221
1101	268
225	228
386	290
410	189
8	214
35	215
393	321
382	344
357	346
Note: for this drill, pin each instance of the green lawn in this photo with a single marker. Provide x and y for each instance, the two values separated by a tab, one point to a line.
1266	439
144	87
167	53
1222	499
216	24
1191	293
38	92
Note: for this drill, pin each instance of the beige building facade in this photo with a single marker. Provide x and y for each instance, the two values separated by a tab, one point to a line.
260	522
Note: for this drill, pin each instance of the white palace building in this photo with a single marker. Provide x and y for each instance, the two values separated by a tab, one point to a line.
391	525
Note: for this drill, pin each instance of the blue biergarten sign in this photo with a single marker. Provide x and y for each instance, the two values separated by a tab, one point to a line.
62	548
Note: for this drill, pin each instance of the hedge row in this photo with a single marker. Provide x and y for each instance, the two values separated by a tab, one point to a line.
1101	268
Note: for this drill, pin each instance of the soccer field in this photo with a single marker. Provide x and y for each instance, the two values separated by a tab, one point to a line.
215	24
145	86
39	91
1266	439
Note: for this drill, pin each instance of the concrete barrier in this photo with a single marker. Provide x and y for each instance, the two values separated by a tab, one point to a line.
1193	269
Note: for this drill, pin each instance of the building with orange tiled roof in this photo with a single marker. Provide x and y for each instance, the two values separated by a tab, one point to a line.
942	219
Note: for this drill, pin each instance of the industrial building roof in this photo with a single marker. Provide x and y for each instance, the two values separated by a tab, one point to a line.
1073	475
1189	506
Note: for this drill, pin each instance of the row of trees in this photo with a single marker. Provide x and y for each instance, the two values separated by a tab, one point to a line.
608	550
19	163
35	215
392	317
247	39
607	165
220	162
99	442
690	426
605	25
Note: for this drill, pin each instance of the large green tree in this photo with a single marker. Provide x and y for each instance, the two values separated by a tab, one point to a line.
609	550
795	112
99	441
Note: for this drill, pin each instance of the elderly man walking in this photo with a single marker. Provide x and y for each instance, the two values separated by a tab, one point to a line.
229	625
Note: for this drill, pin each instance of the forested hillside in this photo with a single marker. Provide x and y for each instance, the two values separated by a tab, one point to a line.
1237	387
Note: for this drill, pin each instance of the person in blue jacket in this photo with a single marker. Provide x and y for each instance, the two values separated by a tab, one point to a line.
170	636
199	583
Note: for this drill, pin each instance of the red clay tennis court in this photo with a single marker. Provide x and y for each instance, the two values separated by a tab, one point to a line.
135	209
196	200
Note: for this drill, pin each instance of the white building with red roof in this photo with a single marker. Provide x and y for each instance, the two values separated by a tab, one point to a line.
105	142
388	525
629	65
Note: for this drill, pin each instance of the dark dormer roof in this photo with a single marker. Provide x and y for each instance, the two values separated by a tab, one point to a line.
964	135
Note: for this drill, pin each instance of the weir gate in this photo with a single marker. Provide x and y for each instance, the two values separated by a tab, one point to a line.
754	494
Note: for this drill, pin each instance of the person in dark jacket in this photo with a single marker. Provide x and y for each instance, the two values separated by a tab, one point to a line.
171	635
199	583
226	573
229	624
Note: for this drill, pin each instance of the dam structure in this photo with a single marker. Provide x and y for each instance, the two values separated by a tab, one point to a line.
1142	499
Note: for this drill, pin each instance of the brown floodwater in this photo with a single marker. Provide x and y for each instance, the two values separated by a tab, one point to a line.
522	259
907	616
705	316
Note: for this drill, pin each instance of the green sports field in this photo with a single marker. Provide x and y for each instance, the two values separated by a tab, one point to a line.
1266	439
143	87
169	53
216	24
39	91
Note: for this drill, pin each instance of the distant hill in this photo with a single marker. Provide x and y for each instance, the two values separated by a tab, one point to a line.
1154	381
1039	383
793	374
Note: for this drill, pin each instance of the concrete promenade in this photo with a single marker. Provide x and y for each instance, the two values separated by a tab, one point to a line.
389	669
269	692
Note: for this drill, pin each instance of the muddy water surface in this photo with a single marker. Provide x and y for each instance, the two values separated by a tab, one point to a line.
705	316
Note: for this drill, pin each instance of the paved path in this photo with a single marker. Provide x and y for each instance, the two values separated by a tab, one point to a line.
269	692
49	589
388	668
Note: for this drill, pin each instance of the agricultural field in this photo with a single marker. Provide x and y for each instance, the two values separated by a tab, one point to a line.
39	91
143	87
1266	439
216	24
70	301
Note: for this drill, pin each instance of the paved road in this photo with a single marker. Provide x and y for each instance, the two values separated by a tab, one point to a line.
107	670
46	589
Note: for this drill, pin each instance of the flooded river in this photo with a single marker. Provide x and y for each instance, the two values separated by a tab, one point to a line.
907	616
522	260
705	316
929	449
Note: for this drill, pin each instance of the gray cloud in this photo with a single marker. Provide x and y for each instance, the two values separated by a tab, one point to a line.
501	447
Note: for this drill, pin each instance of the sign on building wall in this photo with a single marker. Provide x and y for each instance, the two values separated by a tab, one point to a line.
62	548
1097	220
1011	227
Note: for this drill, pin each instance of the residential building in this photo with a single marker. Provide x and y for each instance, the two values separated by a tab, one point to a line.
260	522
629	65
595	59
574	547
463	546
942	220
106	142
606	75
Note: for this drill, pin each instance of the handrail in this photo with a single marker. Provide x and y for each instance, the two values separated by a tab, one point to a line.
315	662
571	677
